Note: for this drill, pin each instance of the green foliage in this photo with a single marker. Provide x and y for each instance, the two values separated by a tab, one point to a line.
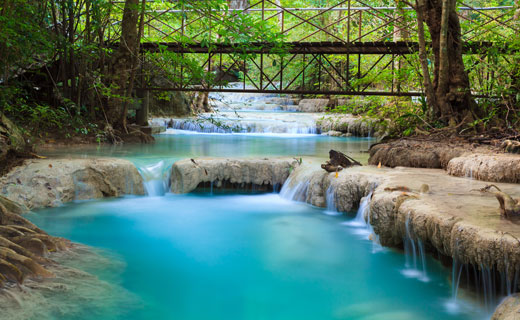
402	116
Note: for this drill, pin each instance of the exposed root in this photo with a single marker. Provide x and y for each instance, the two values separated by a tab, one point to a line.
509	207
511	146
23	248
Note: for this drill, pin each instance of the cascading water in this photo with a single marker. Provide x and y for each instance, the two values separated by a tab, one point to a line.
257	123
156	178
295	190
415	257
362	212
362	226
330	198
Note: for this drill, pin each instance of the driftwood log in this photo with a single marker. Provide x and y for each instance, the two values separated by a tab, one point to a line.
509	207
338	161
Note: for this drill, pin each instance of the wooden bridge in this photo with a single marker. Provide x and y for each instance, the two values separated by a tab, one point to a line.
349	48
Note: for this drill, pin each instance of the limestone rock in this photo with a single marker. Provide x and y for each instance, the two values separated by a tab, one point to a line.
495	168
449	219
509	309
188	174
51	182
351	125
313	105
334	133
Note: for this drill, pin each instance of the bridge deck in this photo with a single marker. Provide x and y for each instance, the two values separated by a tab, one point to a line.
383	47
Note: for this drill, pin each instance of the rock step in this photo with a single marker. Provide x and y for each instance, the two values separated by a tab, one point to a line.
188	174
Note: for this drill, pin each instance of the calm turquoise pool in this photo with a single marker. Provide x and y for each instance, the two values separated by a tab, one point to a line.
237	256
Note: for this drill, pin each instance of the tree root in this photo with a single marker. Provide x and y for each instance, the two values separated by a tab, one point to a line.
23	248
509	207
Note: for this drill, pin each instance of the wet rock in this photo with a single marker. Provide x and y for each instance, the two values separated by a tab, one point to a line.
509	309
495	168
188	174
351	125
51	182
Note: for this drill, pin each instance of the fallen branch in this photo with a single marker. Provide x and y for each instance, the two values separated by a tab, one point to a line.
509	207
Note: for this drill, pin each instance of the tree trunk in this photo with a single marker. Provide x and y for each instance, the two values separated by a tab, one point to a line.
423	58
454	102
123	63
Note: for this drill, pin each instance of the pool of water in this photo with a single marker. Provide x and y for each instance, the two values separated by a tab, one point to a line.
185	144
236	256
199	256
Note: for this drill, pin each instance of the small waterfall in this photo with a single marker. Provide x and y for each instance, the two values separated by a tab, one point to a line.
330	198
81	189
415	258
295	190
486	282
156	178
363	211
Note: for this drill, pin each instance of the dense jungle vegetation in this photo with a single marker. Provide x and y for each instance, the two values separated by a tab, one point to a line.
74	67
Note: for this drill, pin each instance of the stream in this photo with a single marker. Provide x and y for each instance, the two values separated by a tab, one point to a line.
218	255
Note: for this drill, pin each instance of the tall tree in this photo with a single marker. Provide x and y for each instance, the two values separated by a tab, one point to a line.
451	100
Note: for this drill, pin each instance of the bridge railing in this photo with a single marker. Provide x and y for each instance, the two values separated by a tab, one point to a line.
343	21
348	47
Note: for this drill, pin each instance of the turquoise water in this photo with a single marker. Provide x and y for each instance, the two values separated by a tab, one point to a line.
171	147
246	257
236	256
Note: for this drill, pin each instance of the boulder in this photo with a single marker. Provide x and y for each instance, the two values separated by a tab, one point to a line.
509	309
50	182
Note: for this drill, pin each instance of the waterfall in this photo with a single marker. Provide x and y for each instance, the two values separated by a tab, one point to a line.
330	199
415	258
239	125
295	190
156	178
362	212
488	284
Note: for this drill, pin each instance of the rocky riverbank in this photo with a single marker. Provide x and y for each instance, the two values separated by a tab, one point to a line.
26	251
447	214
